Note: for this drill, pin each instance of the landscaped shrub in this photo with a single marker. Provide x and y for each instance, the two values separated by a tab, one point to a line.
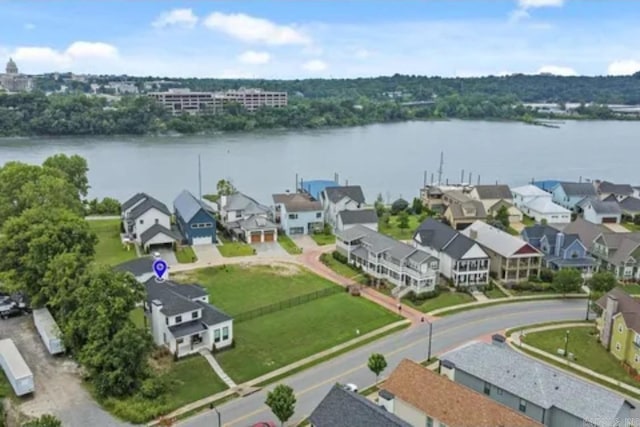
153	387
422	296
137	409
399	206
339	257
546	275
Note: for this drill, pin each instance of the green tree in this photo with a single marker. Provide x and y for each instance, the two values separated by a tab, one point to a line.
417	206
502	216
225	187
567	280
399	206
75	169
379	206
403	220
377	363
602	281
282	402
44	421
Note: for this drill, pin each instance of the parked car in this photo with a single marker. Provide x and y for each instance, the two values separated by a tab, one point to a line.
11	312
13	305
351	387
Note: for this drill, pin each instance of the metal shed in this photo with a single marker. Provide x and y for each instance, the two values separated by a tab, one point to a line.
15	368
48	330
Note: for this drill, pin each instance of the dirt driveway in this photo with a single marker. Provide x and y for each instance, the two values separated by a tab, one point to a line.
58	387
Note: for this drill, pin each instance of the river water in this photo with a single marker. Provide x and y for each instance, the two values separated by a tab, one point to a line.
384	158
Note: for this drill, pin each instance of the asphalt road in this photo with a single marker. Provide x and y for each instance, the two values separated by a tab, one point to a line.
313	384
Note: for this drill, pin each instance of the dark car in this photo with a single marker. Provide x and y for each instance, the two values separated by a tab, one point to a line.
11	312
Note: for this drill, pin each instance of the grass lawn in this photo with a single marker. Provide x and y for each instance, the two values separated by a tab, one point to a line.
342	269
137	316
495	293
109	249
528	221
630	226
237	289
185	255
275	340
513	231
445	299
288	244
323	239
231	249
583	343
5	387
631	288
393	230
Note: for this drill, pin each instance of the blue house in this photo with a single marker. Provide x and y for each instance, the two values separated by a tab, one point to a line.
560	250
547	185
195	219
314	188
569	194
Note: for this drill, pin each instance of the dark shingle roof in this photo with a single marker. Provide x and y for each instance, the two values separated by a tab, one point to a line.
137	267
156	229
493	192
342	408
175	298
602	207
354	192
630	204
187	328
133	200
363	216
187	206
443	238
149	203
212	315
584	189
471	209
610	187
627	305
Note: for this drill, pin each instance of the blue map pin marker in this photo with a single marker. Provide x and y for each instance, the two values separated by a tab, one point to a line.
160	268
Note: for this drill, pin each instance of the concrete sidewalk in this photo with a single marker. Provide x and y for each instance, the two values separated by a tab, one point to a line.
505	300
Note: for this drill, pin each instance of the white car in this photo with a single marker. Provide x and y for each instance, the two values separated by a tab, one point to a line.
351	387
156	254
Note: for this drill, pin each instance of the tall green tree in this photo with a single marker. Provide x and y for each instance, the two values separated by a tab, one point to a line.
379	206
225	187
75	169
567	280
602	281
417	206
282	402
377	363
403	220
502	216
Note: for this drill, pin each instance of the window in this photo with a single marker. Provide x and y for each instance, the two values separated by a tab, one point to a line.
293	216
216	335
225	333
617	346
157	221
142	221
487	388
523	405
499	391
178	319
166	320
429	422
180	340
318	214
194	315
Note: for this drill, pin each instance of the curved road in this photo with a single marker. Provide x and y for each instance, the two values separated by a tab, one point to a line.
313	384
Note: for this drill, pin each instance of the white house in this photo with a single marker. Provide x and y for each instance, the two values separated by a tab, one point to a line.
348	219
298	213
147	221
246	219
600	212
182	319
385	258
462	260
337	199
538	204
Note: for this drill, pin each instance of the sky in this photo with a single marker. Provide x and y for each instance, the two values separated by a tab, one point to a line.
288	39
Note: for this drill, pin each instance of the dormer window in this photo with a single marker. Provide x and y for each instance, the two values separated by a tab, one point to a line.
194	315
178	319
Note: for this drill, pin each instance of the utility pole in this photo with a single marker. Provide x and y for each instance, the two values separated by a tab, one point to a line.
440	169
430	334
199	178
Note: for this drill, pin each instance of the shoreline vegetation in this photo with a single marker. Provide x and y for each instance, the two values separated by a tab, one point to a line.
320	104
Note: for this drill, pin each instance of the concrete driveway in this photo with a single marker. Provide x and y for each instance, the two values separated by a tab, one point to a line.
58	387
616	228
207	253
167	254
305	242
270	249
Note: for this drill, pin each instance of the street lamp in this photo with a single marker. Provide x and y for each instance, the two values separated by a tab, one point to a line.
430	334
566	343
586	317
211	406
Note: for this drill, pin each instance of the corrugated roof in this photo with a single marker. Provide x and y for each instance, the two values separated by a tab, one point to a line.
187	206
361	216
13	358
535	382
450	403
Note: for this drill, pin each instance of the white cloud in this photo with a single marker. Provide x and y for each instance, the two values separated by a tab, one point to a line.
362	53
176	17
47	59
29	27
623	68
254	58
255	30
83	49
531	4
315	66
35	54
557	70
518	15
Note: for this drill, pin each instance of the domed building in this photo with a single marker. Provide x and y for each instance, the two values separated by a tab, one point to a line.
13	81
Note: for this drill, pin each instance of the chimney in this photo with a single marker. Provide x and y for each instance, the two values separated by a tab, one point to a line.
559	243
448	369
610	310
473	234
497	339
385	399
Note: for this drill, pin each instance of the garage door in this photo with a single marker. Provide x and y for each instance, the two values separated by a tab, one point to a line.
256	238
202	240
268	236
296	230
609	220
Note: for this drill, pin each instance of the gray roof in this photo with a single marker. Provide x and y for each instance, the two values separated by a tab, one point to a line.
255	222
241	202
156	229
610	187
443	238
149	203
342	408
493	192
535	382
175	298
187	206
583	189
133	200
631	205
187	328
212	315
297	202
601	207
537	231
354	192
137	267
587	231
361	216
353	233
470	209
